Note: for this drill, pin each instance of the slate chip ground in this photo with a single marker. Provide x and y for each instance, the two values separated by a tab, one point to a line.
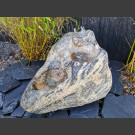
19	112
24	73
115	105
119	107
9	106
2	96
9	84
117	86
57	114
86	111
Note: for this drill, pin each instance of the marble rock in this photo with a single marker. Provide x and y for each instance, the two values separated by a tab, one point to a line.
75	73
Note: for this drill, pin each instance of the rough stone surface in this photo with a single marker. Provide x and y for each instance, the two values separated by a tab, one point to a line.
9	84
25	72
119	107
19	112
87	111
17	92
58	114
1	99
31	115
117	86
9	107
75	73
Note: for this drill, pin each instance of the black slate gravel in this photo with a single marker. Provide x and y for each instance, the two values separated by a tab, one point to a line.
117	86
9	84
25	72
119	107
1	99
17	92
115	105
86	111
9	106
19	112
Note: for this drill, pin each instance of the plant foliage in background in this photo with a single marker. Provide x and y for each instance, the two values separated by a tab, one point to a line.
35	35
131	65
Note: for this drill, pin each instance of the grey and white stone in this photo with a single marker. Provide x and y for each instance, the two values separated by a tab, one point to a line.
75	73
118	106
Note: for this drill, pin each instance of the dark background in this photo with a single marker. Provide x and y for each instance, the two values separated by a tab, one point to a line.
110	33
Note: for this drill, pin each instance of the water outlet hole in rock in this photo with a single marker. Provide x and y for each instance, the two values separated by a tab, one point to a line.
81	57
50	79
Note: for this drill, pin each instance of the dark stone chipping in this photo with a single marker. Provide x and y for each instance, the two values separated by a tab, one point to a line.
9	84
119	107
9	107
17	92
26	72
117	86
58	114
32	115
1	99
18	112
38	63
86	111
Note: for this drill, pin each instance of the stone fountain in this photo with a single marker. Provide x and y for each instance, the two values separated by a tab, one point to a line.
75	73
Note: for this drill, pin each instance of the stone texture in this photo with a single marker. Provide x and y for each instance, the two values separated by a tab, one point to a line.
17	92
9	54
31	115
25	72
19	112
118	107
117	86
27	115
75	73
58	114
87	111
1	99
38	63
9	107
9	84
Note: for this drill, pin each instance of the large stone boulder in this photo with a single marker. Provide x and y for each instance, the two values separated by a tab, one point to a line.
75	73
